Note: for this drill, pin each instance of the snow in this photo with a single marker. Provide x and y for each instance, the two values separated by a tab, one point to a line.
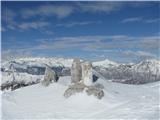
121	101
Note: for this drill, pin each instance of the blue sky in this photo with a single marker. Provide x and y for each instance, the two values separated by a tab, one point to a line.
120	31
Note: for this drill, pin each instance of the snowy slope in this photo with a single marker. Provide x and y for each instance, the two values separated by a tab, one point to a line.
120	102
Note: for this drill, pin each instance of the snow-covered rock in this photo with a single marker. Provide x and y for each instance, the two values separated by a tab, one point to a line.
96	91
76	71
87	76
74	89
80	88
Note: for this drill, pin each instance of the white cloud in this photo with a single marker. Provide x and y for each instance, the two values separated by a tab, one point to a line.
138	54
100	43
138	19
145	47
48	32
32	25
12	54
60	11
11	27
95	7
153	20
133	19
151	42
120	37
104	44
71	24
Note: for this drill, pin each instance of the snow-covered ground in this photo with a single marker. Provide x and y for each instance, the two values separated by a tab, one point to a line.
121	101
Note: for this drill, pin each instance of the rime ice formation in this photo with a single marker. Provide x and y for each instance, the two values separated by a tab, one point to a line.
87	73
76	71
80	87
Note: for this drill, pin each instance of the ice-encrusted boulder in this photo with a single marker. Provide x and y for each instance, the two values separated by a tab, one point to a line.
73	89
97	92
76	71
80	87
50	76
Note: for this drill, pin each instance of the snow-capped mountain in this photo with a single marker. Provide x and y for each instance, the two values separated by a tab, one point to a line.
105	63
39	62
152	66
135	73
138	73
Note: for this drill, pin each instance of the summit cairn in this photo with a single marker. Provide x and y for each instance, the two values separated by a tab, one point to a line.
82	79
76	71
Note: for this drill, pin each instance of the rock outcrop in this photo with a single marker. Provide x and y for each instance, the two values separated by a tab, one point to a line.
49	77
